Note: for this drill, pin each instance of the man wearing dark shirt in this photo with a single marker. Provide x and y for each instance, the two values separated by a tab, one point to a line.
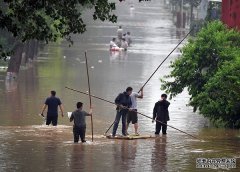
122	101
52	103
160	113
79	127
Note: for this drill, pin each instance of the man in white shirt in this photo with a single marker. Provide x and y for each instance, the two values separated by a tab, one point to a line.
113	44
132	115
120	32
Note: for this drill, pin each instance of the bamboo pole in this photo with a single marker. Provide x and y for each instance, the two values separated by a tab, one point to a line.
89	91
165	59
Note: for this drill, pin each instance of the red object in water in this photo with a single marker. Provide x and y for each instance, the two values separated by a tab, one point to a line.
231	13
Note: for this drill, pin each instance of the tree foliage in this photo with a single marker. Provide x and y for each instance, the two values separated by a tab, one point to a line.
48	20
208	67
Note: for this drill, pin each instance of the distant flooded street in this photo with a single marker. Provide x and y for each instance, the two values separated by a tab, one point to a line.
27	145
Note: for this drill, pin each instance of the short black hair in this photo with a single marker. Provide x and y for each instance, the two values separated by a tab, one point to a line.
53	93
79	104
164	95
129	89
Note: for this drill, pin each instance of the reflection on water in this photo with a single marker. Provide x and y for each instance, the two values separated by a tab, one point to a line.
26	145
52	149
159	154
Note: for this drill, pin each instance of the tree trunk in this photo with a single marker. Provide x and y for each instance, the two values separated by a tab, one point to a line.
191	18
25	53
36	48
15	61
31	50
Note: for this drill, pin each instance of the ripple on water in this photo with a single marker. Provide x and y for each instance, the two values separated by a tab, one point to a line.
202	151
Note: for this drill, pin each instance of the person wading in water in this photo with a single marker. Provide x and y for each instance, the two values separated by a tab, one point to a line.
160	113
79	127
52	103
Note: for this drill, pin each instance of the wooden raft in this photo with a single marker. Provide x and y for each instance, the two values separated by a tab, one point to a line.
130	137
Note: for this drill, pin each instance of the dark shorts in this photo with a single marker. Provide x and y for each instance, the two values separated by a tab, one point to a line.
52	119
132	117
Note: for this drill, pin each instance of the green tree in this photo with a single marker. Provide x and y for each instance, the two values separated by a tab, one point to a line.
220	100
48	20
202	59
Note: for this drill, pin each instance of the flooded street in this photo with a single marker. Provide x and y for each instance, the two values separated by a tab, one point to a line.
27	145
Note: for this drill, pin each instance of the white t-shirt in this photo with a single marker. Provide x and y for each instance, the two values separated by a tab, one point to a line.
120	33
124	44
112	44
134	97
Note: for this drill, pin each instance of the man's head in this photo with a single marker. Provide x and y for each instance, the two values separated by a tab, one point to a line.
129	90
53	93
79	105
120	27
114	39
164	96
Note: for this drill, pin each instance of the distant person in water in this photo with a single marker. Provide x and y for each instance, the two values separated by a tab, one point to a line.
120	32
122	101
124	44
113	44
128	38
52	104
79	127
160	113
124	35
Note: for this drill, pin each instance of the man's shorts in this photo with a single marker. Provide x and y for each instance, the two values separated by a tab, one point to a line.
132	116
52	119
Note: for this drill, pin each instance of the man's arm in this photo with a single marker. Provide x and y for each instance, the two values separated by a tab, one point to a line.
89	114
118	100
61	108
43	109
154	112
141	94
71	118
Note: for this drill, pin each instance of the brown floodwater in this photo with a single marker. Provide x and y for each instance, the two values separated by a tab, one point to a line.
27	145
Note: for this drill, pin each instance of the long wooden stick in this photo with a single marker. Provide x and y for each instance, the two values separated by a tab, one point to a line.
109	128
89	91
137	112
165	59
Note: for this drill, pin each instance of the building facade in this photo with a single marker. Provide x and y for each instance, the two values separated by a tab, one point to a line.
231	13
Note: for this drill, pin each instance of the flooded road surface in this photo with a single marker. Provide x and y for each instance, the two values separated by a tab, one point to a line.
27	145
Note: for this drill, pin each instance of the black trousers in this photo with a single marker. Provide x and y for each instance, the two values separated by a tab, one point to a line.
52	119
79	131
160	126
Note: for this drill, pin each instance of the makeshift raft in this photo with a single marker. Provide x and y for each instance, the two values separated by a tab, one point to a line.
130	137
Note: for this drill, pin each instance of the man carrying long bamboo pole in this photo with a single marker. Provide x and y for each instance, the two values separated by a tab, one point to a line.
79	127
122	100
132	115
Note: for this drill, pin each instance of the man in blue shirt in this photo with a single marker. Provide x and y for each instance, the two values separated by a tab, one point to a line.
122	101
52	103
